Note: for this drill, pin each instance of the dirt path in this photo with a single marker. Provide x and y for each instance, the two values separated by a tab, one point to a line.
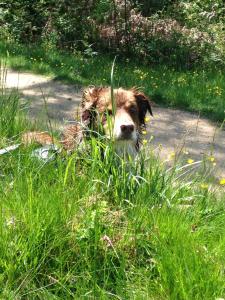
172	129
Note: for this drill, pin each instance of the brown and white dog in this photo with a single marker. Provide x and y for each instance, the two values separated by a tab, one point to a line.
121	119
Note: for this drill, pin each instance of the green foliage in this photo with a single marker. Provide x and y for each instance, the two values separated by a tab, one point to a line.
206	17
149	7
9	103
95	226
200	14
60	23
186	33
9	108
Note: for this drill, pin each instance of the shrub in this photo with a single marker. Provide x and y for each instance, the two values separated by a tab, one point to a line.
186	33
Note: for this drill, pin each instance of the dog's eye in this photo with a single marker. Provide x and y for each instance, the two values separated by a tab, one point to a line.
133	109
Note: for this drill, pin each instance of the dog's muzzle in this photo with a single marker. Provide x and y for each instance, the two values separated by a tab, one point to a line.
124	127
126	132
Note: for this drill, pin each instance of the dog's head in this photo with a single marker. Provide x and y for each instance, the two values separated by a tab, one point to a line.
121	118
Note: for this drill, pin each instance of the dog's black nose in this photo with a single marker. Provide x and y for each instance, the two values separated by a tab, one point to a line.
126	129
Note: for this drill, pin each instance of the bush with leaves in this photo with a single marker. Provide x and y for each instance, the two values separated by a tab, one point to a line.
157	38
187	33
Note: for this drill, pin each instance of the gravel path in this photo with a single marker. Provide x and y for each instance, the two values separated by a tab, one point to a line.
173	130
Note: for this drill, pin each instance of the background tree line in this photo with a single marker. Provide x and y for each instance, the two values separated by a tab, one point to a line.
188	32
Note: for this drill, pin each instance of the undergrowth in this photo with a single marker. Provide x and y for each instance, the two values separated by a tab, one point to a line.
94	226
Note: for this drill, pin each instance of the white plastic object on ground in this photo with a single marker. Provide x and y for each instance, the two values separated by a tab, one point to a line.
9	149
46	153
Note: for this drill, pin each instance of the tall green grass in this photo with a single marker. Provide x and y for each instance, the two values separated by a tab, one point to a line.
12	115
94	226
199	90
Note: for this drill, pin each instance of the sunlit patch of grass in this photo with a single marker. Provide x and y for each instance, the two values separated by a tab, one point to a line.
94	223
100	225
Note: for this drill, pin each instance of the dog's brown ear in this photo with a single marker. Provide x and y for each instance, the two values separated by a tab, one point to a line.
88	103
144	105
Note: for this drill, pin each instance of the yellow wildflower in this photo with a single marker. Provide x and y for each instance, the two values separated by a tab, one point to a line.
144	142
204	186
211	158
190	161
147	119
222	181
144	132
171	155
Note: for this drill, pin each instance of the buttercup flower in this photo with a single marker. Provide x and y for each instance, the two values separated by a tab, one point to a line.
211	158
190	161
171	155
144	142
144	132
222	181
204	186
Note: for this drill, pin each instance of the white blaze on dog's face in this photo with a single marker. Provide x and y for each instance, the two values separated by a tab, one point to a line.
124	126
124	131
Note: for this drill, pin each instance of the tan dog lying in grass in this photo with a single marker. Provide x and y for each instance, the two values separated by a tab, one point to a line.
121	120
